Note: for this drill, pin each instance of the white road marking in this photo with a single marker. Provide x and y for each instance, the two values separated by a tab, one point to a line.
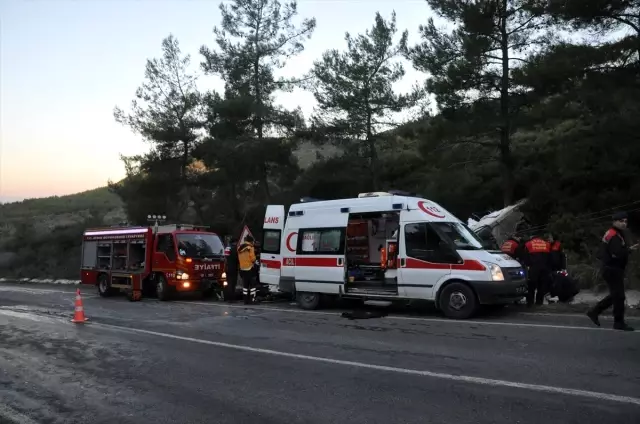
30	316
438	320
421	373
506	324
36	290
560	314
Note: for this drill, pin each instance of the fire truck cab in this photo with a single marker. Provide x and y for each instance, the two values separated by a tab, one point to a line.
384	246
165	259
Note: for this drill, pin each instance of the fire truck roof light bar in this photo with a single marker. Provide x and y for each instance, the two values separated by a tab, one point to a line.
116	232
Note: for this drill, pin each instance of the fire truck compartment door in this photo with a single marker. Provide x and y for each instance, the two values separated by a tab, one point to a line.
271	249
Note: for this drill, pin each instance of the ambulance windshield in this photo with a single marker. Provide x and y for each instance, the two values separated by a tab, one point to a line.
199	245
460	235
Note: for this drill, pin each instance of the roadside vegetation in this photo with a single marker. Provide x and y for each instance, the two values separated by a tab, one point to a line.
523	98
40	238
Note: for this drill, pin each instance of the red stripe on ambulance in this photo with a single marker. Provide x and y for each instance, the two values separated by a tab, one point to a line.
467	265
318	262
270	263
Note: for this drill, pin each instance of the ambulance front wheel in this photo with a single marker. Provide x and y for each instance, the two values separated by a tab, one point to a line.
308	300
458	301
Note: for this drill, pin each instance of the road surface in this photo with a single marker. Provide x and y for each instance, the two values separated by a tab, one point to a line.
205	362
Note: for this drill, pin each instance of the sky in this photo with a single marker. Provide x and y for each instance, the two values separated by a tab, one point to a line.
65	65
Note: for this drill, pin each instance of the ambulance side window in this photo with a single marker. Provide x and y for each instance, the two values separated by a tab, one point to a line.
321	241
271	242
423	243
166	246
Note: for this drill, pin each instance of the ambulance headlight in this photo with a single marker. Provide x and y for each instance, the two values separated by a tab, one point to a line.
496	272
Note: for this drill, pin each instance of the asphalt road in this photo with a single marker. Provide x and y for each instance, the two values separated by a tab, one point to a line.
205	362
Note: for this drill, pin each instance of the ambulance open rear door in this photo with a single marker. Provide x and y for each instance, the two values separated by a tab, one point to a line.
320	265
270	253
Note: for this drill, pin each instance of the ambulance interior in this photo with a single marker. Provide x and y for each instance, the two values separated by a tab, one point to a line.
371	237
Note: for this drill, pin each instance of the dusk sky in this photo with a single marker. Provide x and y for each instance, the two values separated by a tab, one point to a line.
64	65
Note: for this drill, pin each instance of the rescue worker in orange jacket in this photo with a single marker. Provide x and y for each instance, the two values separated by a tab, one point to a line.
614	254
557	258
536	258
247	259
513	247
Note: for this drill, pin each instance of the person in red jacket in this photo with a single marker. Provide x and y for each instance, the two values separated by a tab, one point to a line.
557	258
513	247
614	254
536	259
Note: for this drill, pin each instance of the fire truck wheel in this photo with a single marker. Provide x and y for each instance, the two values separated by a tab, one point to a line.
308	300
104	286
458	301
162	288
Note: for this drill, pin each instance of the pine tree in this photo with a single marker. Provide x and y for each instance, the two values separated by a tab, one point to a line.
166	109
166	113
255	39
614	19
470	69
354	89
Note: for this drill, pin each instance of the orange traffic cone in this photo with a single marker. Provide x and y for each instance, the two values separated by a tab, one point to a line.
78	316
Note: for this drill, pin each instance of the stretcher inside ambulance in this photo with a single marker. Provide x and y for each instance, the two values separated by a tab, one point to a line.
381	246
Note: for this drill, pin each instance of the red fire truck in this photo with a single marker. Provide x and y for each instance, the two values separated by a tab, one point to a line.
167	259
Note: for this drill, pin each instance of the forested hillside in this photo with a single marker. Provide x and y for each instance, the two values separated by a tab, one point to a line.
41	237
524	98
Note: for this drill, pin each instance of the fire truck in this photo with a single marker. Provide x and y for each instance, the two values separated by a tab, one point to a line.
165	259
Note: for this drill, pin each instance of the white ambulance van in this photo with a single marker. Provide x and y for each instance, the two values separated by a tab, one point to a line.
382	246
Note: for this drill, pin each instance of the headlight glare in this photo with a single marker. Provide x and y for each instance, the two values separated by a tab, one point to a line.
496	272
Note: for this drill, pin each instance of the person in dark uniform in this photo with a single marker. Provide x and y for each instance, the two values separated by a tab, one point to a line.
614	254
232	271
536	258
557	258
247	259
513	247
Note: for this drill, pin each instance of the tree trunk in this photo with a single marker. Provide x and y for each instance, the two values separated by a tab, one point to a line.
373	161
197	208
237	215
259	121
185	159
506	158
373	153
259	126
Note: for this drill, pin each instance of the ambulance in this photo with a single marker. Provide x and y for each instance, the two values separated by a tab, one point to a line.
384	246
